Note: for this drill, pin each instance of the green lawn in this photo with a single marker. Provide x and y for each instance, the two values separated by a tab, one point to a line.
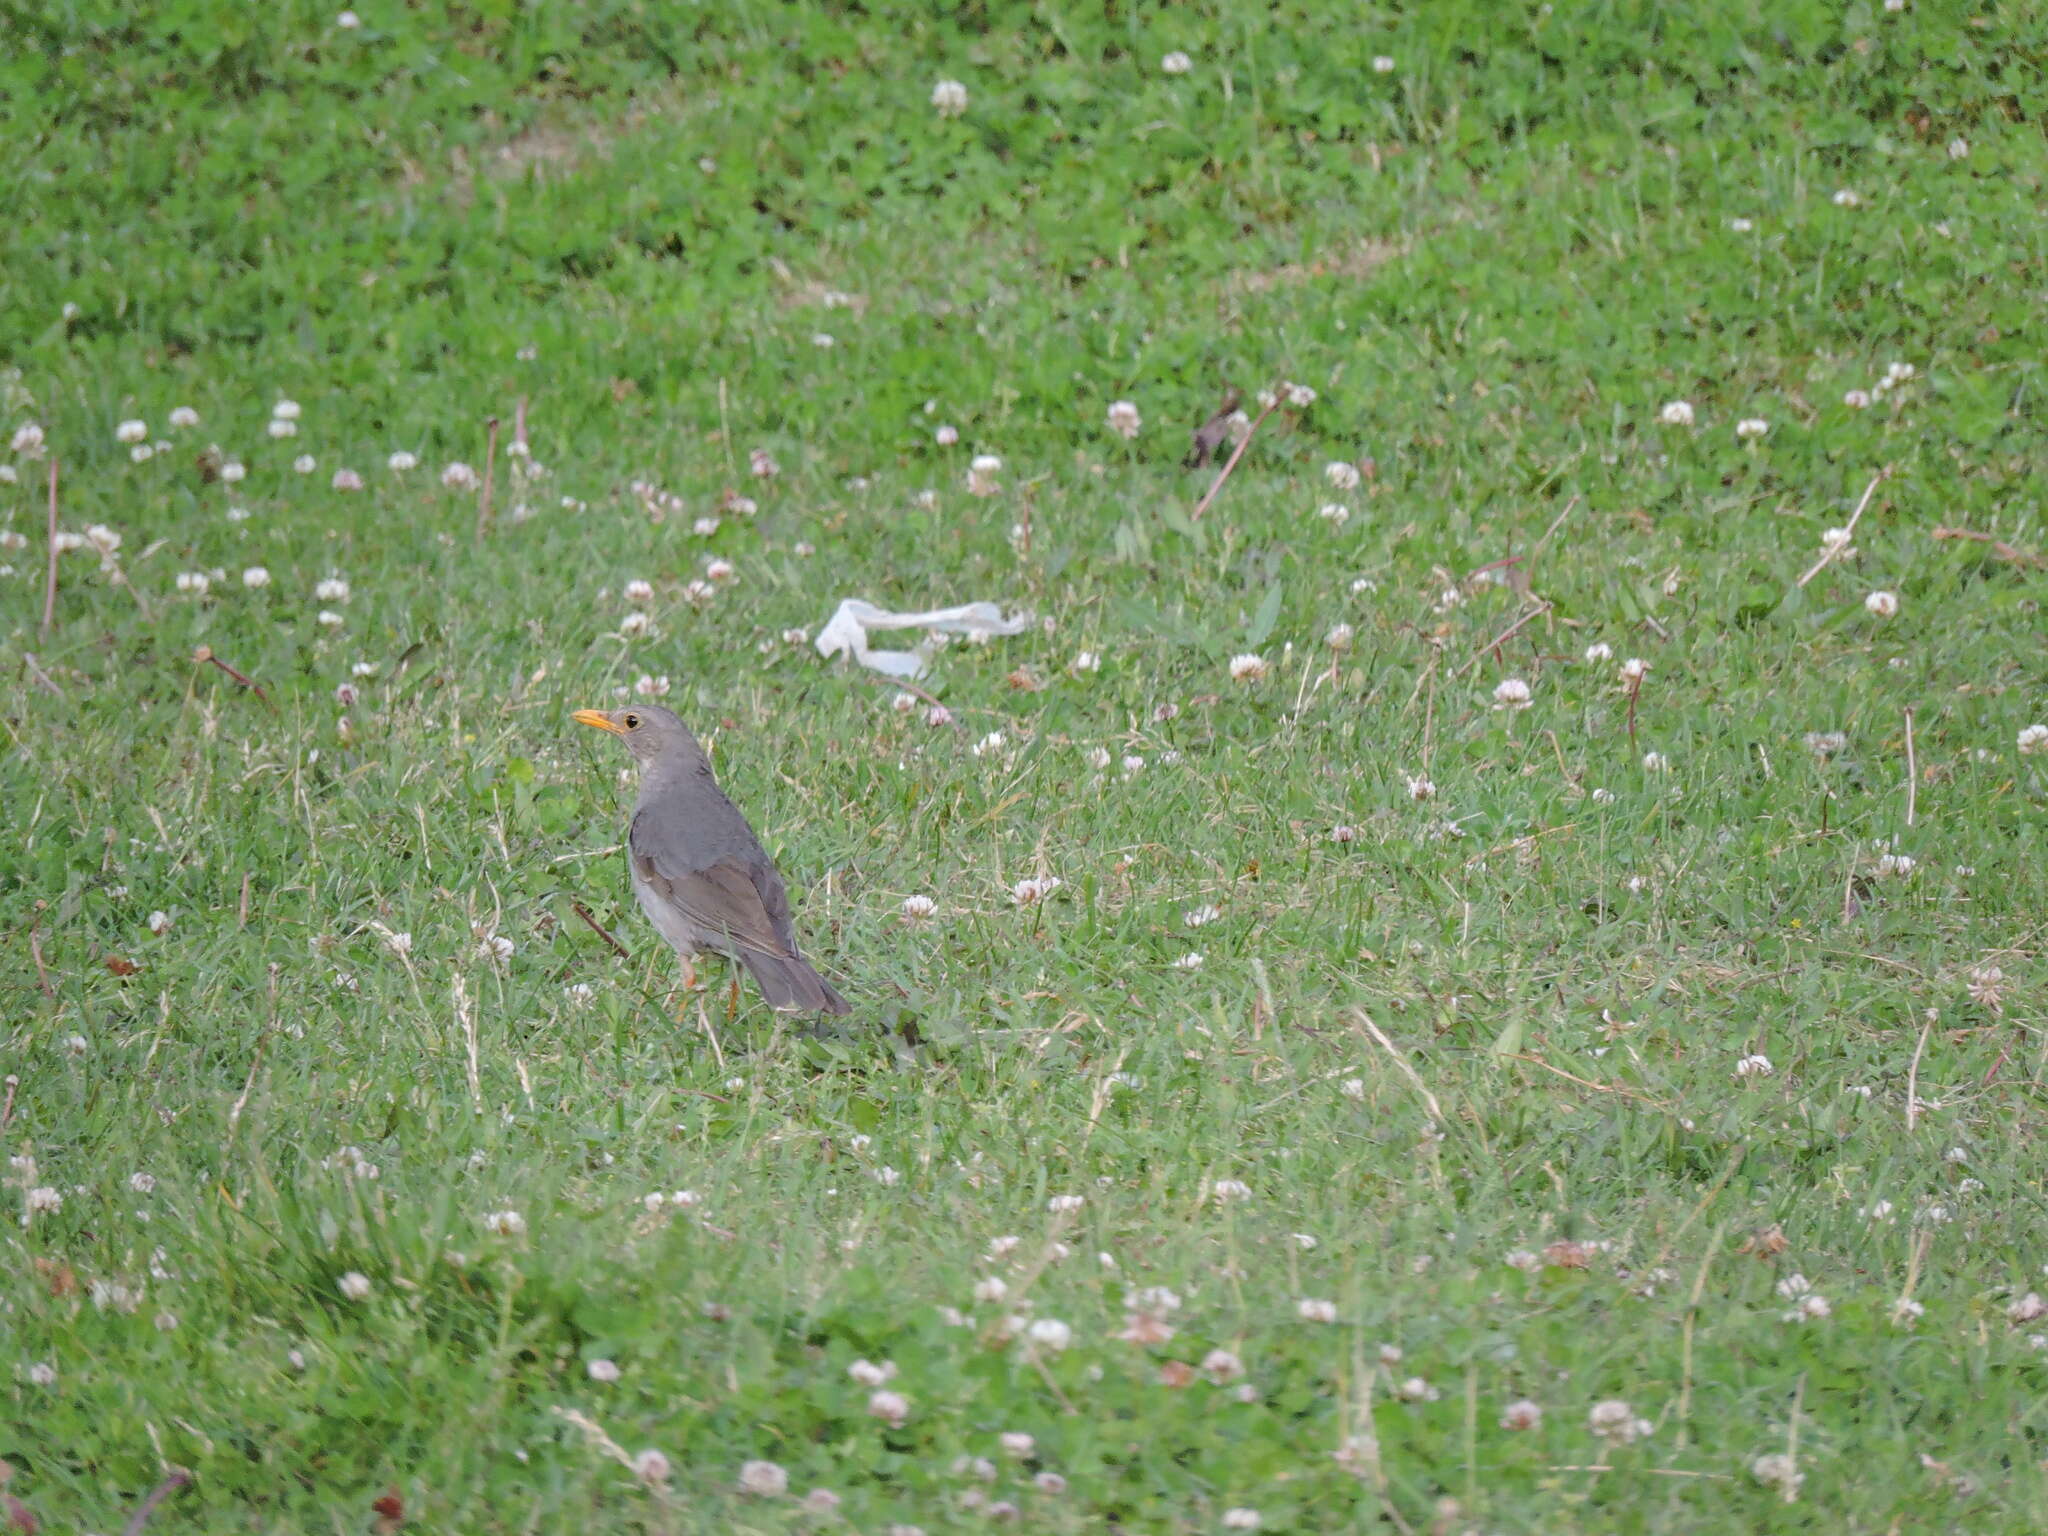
1440	1034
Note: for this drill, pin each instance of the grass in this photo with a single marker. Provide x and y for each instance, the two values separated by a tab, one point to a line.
1474	1067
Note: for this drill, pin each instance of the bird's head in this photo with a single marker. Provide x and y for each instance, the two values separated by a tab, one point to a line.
648	730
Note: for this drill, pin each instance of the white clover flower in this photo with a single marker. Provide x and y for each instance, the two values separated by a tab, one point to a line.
1599	651
1754	1066
28	440
1228	1190
981	475
232	471
1311	1309
1300	396
1810	1308
2033	740
1029	891
763	1479
1751	427
947	436
132	432
1176	63
256	577
1676	413
1341	475
991	1288
1065	1205
159	922
1900	373
1521	1414
1511	693
1048	1334
400	461
949	98
1847	198
184	416
1614	1420
1634	670
458	476
1335	513
42	1200
1242	1519
1857	399
346	480
1382	64
355	1285
332	589
718	570
282	427
917	909
604	1371
1777	1470
1896	866
103	539
1742	226
1248	668
892	1408
193	582
1656	762
285	410
634	624
1339	637
1124	419
1883	605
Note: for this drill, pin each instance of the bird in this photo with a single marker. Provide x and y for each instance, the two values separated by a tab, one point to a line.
699	872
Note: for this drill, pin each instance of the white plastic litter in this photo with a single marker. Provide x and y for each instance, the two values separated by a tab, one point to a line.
847	631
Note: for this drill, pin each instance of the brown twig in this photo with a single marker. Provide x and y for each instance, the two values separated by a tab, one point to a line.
41	677
1999	547
909	687
50	573
1501	639
7	1109
600	930
1912	772
205	654
1833	552
35	949
1223	474
483	504
179	1478
1635	688
1913	1076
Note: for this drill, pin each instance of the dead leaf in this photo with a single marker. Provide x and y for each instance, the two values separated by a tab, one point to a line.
121	967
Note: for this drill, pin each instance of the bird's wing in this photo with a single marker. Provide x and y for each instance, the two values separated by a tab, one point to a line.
738	895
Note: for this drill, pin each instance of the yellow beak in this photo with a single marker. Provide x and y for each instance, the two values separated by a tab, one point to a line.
598	719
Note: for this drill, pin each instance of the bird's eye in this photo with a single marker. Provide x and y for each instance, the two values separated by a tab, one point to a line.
632	722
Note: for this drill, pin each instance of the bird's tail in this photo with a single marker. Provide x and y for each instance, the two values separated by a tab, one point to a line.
790	985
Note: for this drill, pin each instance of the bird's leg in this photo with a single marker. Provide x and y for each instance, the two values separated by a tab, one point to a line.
683	993
732	996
